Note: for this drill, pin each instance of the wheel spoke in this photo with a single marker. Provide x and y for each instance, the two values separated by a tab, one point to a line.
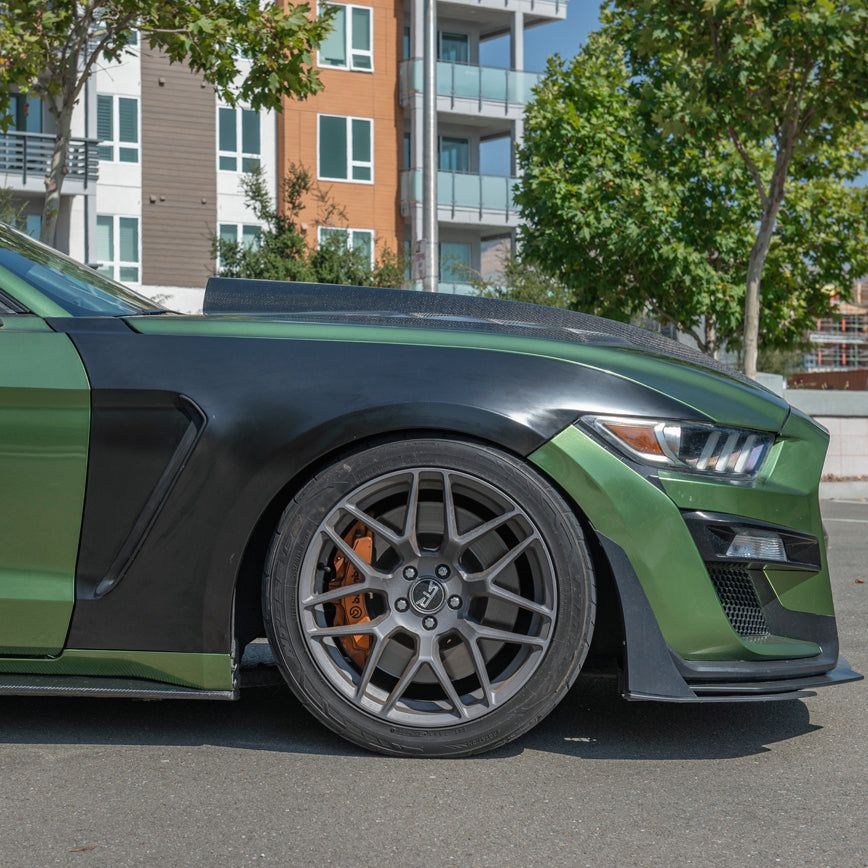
491	573
363	628
442	676
411	533
450	520
482	631
500	593
371	664
400	688
337	593
379	529
479	665
486	527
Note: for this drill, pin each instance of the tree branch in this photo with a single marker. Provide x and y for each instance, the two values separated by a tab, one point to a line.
751	165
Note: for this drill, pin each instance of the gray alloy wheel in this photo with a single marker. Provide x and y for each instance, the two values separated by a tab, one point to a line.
455	606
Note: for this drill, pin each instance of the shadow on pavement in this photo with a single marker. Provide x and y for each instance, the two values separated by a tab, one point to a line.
593	722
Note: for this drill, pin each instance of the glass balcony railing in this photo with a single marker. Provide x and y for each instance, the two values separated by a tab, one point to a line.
480	83
464	191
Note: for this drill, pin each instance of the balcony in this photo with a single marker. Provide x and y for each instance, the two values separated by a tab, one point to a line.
25	158
488	11
472	90
469	200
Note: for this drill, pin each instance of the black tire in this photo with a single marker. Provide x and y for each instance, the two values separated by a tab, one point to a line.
570	634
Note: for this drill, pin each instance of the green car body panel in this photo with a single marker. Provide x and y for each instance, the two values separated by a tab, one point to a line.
44	426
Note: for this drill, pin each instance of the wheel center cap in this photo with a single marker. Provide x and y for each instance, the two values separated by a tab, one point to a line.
427	595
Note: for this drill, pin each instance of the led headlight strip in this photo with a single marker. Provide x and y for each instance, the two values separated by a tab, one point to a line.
694	446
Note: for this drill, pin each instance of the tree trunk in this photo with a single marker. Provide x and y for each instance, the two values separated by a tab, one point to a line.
710	347
57	169
755	266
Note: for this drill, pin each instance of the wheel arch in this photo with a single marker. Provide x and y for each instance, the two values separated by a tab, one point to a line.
499	432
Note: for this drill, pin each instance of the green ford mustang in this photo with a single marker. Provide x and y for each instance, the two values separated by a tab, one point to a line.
435	510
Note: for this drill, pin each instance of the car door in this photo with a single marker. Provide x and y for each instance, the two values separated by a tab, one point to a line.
44	427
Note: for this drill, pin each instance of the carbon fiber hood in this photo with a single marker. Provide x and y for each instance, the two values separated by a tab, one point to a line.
365	305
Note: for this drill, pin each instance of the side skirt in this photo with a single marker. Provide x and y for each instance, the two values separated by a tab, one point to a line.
103	688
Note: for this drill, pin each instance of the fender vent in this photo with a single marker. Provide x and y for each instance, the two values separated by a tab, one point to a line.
740	601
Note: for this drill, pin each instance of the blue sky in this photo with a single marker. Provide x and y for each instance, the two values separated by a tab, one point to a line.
564	37
561	37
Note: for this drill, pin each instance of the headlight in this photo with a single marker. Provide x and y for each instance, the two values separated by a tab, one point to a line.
693	446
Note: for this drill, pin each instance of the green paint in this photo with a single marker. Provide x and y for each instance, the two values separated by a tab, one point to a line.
44	429
204	671
646	523
786	493
721	398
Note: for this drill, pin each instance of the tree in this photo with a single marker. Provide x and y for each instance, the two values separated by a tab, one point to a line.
784	81
520	279
282	252
637	220
50	50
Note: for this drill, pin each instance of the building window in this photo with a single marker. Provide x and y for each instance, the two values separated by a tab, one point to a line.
26	113
454	48
407	43
408	151
454	154
355	239
117	247
117	128
455	262
348	45
346	149
238	139
247	234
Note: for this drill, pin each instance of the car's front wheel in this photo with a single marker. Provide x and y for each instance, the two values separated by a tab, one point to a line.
429	597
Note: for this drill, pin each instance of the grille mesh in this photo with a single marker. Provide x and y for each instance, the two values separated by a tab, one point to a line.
739	599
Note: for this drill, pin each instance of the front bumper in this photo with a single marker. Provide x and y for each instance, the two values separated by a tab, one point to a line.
682	644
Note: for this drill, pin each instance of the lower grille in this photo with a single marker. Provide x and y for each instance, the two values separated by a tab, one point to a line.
739	599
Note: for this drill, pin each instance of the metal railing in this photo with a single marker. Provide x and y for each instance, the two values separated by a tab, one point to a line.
479	83
464	191
29	155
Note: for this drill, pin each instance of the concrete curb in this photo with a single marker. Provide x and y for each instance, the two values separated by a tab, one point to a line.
846	488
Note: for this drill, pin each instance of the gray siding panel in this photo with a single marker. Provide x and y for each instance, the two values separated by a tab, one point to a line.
179	174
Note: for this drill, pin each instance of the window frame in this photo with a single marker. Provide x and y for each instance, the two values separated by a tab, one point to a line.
349	230
349	66
239	154
351	163
117	264
115	142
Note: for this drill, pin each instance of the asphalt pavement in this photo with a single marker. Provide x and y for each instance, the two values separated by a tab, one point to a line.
600	782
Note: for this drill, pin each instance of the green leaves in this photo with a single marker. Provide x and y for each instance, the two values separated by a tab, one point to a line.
638	205
40	44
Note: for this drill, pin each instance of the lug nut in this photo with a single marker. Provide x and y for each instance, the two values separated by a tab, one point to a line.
402	604
410	573
429	623
454	602
442	571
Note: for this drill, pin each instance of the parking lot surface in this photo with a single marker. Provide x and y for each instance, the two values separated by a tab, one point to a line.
600	782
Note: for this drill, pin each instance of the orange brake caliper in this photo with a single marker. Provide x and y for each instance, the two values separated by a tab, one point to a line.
353	608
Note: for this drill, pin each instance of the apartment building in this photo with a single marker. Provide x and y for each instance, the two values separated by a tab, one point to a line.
155	160
841	344
155	163
362	135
